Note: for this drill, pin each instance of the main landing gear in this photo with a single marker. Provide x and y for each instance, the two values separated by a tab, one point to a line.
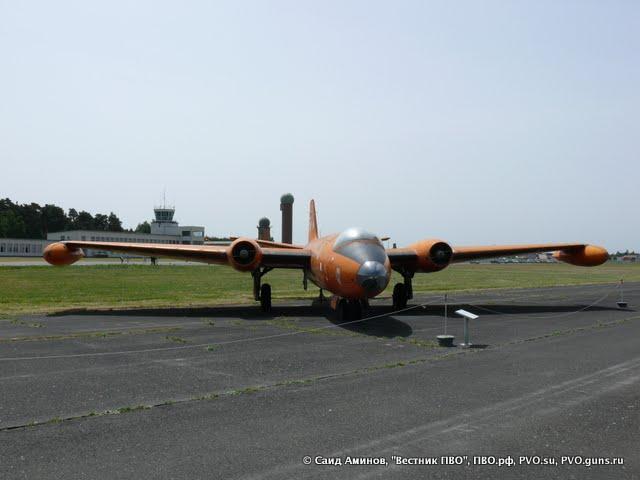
402	292
262	292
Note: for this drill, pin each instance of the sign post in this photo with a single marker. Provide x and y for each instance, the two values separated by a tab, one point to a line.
467	316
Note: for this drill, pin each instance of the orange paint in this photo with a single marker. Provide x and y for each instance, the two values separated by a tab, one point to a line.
588	256
60	255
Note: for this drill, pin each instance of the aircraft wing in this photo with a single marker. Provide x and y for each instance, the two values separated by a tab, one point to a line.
67	252
434	255
463	254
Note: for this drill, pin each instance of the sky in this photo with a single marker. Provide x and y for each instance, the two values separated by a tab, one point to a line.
475	122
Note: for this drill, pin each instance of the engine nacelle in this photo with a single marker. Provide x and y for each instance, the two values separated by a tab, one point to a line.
59	254
244	254
433	255
587	256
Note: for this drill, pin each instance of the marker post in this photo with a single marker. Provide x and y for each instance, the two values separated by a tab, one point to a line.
467	316
621	303
445	340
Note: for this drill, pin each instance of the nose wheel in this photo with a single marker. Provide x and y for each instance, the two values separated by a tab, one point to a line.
402	292
348	310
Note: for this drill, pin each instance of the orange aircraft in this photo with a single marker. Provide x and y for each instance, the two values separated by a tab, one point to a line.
353	265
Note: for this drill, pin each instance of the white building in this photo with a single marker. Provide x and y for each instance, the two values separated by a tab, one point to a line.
164	224
164	230
22	247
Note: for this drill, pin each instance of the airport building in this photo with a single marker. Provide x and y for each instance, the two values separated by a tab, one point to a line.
164	230
22	247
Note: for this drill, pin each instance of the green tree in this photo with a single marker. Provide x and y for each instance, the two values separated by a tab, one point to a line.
114	224
7	205
11	225
85	221
31	214
30	220
143	227
100	222
53	219
72	223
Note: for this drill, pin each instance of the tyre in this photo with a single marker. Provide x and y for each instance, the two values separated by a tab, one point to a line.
355	310
265	297
400	296
342	311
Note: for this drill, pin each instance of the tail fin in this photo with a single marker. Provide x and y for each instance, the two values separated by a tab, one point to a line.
313	221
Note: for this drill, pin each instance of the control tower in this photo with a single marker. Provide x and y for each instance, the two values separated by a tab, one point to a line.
163	223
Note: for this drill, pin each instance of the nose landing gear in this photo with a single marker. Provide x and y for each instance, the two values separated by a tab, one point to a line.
399	296
349	310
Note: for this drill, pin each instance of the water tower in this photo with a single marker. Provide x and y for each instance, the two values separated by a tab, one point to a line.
264	229
286	206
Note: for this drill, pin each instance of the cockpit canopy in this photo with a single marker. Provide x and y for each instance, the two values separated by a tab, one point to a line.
352	234
360	245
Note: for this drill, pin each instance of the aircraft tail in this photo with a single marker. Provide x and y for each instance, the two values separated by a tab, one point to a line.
313	221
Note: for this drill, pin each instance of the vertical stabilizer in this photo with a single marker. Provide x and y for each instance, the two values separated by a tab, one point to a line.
313	221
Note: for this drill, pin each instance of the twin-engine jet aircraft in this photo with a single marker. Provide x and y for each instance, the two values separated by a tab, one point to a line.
353	265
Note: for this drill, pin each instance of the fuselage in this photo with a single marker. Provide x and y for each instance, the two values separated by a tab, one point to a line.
352	264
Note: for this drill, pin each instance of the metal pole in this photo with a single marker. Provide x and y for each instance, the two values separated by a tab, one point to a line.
466	332
621	290
445	313
621	302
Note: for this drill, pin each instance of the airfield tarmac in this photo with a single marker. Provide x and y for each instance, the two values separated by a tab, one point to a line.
230	392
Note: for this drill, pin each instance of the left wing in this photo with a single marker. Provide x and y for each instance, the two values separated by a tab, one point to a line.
243	254
434	255
576	253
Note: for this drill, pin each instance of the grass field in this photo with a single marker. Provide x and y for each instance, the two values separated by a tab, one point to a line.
44	289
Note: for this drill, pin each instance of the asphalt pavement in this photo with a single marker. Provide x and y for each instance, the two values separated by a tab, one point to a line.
550	389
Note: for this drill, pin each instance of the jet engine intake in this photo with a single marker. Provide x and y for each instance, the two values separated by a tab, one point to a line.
244	254
433	255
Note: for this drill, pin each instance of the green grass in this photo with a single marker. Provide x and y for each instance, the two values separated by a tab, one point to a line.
43	289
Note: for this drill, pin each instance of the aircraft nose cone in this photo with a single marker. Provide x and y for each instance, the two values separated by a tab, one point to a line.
372	276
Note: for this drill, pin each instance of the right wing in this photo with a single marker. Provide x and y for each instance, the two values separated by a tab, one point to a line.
68	252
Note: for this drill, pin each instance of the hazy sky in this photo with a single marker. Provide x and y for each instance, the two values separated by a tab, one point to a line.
476	122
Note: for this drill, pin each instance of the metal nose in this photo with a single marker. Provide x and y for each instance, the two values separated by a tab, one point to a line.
372	276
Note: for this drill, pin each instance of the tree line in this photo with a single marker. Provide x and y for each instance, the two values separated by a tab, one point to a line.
30	220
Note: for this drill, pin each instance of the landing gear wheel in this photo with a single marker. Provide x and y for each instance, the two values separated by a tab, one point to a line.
342	310
355	310
400	296
265	297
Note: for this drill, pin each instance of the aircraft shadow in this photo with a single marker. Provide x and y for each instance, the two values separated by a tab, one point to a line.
386	323
245	312
385	326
